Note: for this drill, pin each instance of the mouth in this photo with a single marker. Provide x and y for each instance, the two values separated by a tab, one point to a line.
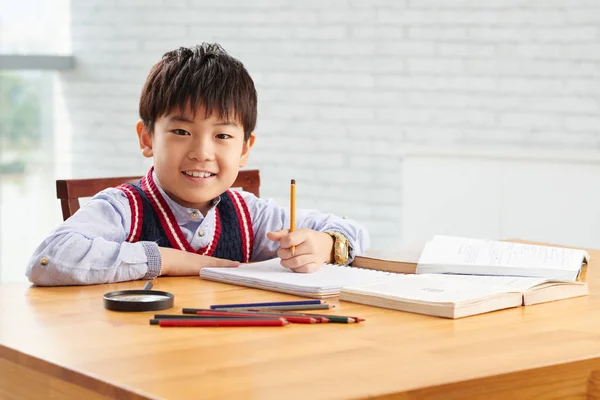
198	174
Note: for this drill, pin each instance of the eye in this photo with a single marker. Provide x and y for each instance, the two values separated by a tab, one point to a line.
180	132
223	136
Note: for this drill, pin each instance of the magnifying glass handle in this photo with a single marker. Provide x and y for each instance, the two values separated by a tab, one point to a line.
148	286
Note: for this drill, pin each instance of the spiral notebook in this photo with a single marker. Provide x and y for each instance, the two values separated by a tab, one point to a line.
270	275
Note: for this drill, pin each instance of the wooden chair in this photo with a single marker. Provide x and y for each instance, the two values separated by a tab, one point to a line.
70	190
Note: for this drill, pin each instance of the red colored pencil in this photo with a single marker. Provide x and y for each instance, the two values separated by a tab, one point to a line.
293	319
221	323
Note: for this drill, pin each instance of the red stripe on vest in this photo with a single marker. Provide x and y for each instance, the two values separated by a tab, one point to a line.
210	248
165	215
137	212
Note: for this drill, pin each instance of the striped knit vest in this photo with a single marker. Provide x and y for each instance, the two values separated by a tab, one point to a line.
153	220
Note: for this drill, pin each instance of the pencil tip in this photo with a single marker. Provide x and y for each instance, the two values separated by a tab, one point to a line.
293	181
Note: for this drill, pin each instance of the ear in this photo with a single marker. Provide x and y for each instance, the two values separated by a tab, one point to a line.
145	139
246	150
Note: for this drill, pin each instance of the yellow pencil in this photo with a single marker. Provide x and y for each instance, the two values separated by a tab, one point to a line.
293	210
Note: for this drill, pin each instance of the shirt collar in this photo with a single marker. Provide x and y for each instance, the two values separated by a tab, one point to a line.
182	214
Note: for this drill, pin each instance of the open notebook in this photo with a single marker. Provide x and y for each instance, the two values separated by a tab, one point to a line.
456	296
270	275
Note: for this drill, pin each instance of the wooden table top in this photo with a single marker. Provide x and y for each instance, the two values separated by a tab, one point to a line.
65	332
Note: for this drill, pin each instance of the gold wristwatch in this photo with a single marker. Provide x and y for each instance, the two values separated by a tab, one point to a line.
341	249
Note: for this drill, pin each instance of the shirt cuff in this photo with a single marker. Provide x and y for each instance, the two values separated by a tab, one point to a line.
153	259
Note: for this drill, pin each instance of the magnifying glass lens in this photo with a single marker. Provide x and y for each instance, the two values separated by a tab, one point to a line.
139	297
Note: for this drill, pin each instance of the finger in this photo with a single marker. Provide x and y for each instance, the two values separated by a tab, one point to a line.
287	253
295	238
308	268
276	236
298	261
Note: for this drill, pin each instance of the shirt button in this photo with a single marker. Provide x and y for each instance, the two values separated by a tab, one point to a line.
201	232
44	261
195	214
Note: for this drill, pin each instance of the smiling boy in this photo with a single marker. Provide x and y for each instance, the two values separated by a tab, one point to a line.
198	112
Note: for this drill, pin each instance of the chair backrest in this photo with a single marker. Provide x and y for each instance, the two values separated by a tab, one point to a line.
70	190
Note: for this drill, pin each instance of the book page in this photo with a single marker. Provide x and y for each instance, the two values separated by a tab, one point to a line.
476	241
429	288
460	251
505	283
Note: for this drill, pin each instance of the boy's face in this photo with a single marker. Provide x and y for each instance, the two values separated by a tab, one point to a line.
195	158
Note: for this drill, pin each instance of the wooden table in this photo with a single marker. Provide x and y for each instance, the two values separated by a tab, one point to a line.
61	342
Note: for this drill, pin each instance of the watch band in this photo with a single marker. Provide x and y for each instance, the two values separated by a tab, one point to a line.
341	251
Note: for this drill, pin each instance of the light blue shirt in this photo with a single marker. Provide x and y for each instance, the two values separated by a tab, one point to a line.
91	248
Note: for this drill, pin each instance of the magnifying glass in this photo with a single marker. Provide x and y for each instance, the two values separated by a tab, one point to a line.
138	300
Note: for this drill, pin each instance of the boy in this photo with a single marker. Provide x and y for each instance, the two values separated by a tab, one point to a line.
198	112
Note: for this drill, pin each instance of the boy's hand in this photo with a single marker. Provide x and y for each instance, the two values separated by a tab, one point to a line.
312	249
181	263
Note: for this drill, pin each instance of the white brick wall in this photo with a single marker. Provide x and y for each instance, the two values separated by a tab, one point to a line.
344	85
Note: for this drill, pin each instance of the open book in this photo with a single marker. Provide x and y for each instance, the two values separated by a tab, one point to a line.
270	275
456	255
456	296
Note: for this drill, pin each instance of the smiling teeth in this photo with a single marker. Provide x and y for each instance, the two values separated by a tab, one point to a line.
198	174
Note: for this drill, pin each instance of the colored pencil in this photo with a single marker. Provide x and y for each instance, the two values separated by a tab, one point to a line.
282	308
341	318
274	303
213	316
293	210
156	321
221	322
331	318
198	311
187	310
297	319
288	308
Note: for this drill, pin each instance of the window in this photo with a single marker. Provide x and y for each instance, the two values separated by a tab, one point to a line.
35	27
34	42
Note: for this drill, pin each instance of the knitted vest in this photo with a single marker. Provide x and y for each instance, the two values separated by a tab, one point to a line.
153	220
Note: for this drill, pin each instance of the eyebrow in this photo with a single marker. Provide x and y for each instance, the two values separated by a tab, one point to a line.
225	123
180	118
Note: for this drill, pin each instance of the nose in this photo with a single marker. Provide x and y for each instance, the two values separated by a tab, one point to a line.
202	149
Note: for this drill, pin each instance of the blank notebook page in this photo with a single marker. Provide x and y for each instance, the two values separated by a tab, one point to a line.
270	275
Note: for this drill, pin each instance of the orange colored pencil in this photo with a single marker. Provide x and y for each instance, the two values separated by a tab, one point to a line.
221	322
293	210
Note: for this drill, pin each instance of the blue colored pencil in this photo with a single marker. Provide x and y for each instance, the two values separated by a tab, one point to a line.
276	303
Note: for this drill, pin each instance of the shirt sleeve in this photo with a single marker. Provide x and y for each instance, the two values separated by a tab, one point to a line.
90	247
268	216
